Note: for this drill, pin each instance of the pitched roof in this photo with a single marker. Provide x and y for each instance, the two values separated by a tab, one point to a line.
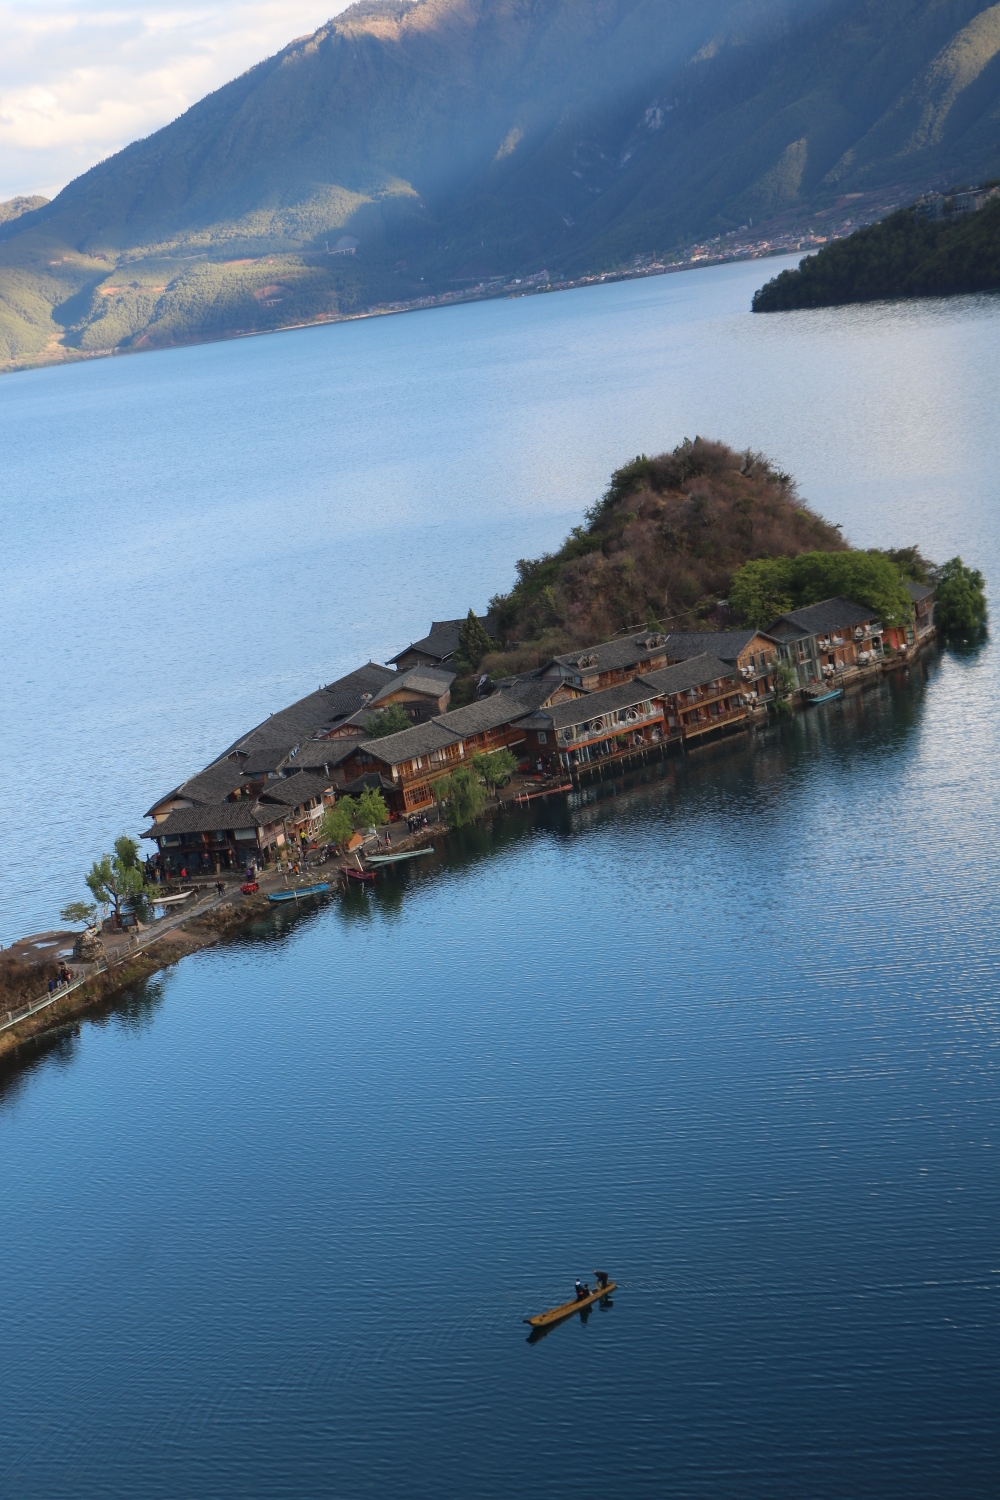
919	591
688	674
317	711
215	818
725	644
293	790
420	740
616	655
590	706
441	642
433	682
830	614
211	785
488	713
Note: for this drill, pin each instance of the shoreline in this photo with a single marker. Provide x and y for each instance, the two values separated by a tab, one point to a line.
53	358
219	918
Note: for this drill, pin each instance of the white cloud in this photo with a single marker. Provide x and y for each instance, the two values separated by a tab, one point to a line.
78	81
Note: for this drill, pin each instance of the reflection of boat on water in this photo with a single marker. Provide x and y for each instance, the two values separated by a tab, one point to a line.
393	859
301	892
566	1310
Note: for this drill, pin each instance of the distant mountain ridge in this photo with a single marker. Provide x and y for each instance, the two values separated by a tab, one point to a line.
456	139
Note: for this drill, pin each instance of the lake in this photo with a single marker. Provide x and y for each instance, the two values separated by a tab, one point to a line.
730	1029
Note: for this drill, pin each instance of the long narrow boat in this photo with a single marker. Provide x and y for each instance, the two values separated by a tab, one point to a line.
359	876
299	893
392	859
824	697
567	1309
171	900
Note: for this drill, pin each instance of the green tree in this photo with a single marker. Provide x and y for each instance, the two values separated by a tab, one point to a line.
496	767
760	591
338	821
785	684
79	911
960	599
463	796
767	587
389	720
473	641
371	808
116	879
869	578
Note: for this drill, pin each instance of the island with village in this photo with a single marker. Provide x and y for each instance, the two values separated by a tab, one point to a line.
480	715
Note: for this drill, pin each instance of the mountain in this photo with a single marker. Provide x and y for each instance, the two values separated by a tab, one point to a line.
906	255
416	146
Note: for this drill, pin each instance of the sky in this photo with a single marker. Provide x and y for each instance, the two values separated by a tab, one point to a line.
79	80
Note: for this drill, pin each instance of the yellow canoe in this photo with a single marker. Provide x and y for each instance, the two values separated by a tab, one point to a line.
556	1314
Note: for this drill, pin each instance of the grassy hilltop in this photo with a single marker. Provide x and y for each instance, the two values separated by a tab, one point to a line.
457	140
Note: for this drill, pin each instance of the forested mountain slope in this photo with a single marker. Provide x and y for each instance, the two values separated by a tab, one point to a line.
457	139
903	256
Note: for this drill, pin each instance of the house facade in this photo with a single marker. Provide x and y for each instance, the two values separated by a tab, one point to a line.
753	653
610	663
699	697
824	639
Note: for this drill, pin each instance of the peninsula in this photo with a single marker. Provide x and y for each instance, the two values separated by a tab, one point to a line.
943	245
697	598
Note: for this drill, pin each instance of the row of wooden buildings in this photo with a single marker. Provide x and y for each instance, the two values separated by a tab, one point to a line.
614	701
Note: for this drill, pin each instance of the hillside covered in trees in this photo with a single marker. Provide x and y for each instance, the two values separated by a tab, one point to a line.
905	255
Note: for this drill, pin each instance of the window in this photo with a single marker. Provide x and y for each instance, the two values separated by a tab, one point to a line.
541	737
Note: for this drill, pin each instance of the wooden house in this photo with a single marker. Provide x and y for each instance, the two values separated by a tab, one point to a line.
824	639
698	697
753	653
612	662
611	725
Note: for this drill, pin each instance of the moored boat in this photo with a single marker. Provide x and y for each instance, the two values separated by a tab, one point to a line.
392	859
359	877
300	892
824	697
566	1309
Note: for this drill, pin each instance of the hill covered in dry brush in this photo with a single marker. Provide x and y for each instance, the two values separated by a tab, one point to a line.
660	548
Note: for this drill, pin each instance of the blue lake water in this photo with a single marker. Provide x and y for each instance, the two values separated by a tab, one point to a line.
733	1031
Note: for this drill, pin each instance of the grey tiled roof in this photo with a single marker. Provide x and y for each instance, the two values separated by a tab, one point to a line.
431	681
688	674
614	656
209	819
919	591
725	644
211	785
831	614
293	790
488	713
420	740
593	705
442	640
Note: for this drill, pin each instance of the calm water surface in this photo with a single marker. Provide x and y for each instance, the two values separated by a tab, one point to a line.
271	1224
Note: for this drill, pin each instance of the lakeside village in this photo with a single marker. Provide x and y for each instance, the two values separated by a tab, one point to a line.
624	700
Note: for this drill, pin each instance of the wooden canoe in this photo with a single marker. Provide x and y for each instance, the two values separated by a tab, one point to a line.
556	1314
299	892
394	859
